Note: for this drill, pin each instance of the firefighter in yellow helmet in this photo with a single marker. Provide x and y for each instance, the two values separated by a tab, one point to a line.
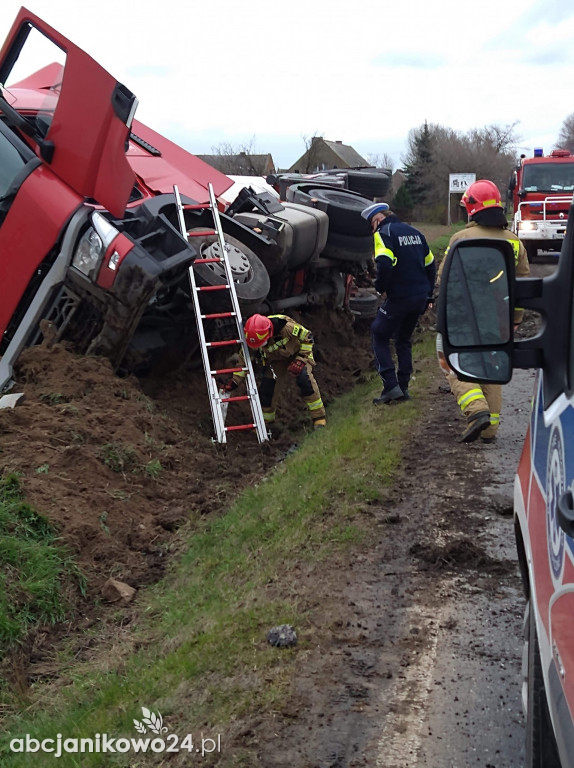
481	403
283	346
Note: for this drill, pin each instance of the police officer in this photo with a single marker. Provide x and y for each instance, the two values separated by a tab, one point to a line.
481	403
283	346
406	272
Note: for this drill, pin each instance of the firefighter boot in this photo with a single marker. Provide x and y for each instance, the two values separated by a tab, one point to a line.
477	422
319	423
394	395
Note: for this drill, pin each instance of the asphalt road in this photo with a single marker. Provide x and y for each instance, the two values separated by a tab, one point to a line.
468	689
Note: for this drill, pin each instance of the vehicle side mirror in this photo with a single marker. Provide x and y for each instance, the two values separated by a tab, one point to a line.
476	310
521	193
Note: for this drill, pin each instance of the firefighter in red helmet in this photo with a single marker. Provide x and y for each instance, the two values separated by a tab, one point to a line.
481	404
283	346
258	329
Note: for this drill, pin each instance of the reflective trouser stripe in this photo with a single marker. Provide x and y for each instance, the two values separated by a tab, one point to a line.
268	416
469	397
495	418
314	405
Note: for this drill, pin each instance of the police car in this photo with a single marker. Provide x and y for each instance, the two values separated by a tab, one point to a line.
475	339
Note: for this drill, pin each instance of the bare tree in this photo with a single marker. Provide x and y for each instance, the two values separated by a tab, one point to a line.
236	159
381	161
435	151
566	135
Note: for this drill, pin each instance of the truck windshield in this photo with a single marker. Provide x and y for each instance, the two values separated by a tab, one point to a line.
34	80
549	177
11	163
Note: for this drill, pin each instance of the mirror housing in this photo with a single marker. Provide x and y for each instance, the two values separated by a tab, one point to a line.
475	313
551	349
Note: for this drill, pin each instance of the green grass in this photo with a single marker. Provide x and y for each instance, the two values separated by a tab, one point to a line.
33	568
202	658
439	245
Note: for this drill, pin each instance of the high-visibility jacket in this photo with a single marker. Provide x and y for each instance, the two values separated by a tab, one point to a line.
290	340
405	263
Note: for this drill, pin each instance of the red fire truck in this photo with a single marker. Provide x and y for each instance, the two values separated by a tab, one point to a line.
541	190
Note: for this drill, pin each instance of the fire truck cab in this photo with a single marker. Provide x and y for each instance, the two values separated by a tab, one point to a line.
541	189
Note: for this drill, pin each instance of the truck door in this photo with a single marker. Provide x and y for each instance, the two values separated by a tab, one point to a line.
77	114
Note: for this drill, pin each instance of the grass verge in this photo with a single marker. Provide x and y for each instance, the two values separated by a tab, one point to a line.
34	568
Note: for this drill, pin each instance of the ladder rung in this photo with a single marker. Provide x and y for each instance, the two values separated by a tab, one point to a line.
234	399
213	288
207	261
215	315
240	426
202	233
227	343
227	370
195	206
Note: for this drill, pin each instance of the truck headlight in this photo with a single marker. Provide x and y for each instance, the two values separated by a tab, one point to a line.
528	226
93	245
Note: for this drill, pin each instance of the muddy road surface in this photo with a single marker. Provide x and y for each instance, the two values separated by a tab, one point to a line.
418	657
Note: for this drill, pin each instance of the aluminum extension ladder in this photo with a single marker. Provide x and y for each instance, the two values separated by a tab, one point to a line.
219	400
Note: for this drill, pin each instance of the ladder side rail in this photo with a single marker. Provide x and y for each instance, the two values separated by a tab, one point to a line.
216	413
251	384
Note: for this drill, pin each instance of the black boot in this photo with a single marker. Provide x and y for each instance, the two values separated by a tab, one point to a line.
394	395
477	423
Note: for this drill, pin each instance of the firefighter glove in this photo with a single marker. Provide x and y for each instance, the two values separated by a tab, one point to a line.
229	386
296	367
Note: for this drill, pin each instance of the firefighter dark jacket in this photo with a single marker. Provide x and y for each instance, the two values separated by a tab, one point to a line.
405	263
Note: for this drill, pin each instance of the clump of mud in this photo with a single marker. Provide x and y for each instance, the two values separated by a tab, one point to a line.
459	554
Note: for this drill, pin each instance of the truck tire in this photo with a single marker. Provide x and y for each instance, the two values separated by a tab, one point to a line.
364	304
250	277
347	248
541	748
344	210
369	184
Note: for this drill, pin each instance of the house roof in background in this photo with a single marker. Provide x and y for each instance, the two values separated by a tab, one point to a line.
349	155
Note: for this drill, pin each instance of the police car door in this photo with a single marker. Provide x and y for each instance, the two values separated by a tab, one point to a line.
550	511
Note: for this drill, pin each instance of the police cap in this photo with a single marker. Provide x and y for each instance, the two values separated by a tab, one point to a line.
368	212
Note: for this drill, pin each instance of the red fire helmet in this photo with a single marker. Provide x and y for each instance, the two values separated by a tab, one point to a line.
480	195
258	329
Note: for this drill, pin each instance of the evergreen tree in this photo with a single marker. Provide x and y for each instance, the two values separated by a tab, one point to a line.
418	167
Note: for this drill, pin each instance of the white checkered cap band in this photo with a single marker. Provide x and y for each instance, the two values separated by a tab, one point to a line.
370	210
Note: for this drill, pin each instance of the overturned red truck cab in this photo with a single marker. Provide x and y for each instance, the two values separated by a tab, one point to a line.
89	234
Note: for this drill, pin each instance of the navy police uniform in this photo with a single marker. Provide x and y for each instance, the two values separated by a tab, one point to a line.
406	272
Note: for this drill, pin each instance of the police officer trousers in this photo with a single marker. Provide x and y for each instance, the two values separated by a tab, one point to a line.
396	320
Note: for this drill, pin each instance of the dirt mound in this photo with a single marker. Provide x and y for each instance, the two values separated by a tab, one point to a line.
118	464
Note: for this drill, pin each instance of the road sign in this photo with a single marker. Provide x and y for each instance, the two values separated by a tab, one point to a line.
458	182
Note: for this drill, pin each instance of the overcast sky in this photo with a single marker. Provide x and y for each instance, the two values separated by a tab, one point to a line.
363	71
